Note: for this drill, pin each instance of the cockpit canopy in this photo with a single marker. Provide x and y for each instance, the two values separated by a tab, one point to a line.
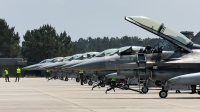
78	56
46	60
107	52
159	29
57	59
90	54
68	58
85	55
129	50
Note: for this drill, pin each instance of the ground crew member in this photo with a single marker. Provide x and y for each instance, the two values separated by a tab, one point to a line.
193	88
98	85
18	72
112	85
47	73
6	75
81	76
61	76
54	77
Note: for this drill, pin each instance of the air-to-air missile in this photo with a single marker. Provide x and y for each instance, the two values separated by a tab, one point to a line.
154	63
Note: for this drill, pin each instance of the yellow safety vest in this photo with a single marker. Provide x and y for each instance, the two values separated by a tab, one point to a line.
113	80
47	71
18	70
80	72
6	72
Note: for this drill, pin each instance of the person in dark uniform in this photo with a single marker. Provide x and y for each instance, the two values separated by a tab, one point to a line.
112	85
54	77
98	85
193	88
81	76
148	49
61	75
18	72
6	75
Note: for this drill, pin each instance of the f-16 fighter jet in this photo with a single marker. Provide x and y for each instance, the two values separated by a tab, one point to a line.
155	64
87	74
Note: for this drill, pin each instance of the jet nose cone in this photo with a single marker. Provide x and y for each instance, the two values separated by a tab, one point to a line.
90	65
175	79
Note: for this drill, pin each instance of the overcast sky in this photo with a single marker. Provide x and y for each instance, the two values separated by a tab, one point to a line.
99	18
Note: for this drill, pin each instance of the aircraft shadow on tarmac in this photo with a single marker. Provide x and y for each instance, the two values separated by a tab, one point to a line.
148	98
160	98
171	93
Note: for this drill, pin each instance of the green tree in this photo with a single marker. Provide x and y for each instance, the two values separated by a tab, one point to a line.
45	43
9	41
99	44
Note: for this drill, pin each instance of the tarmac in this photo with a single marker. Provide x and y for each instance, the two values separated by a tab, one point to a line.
40	95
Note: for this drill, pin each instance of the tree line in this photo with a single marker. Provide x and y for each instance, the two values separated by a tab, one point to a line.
45	42
99	44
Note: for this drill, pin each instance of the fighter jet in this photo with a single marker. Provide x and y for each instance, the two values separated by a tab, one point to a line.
68	59
52	66
57	63
54	60
46	61
88	74
156	64
69	73
127	73
117	61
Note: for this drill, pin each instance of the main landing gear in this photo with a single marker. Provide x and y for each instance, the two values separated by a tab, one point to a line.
163	94
145	89
85	81
66	78
90	82
126	86
102	84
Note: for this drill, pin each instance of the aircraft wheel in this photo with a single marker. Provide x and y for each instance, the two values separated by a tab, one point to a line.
85	82
126	86
145	89
163	94
103	84
198	92
66	78
90	83
77	80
